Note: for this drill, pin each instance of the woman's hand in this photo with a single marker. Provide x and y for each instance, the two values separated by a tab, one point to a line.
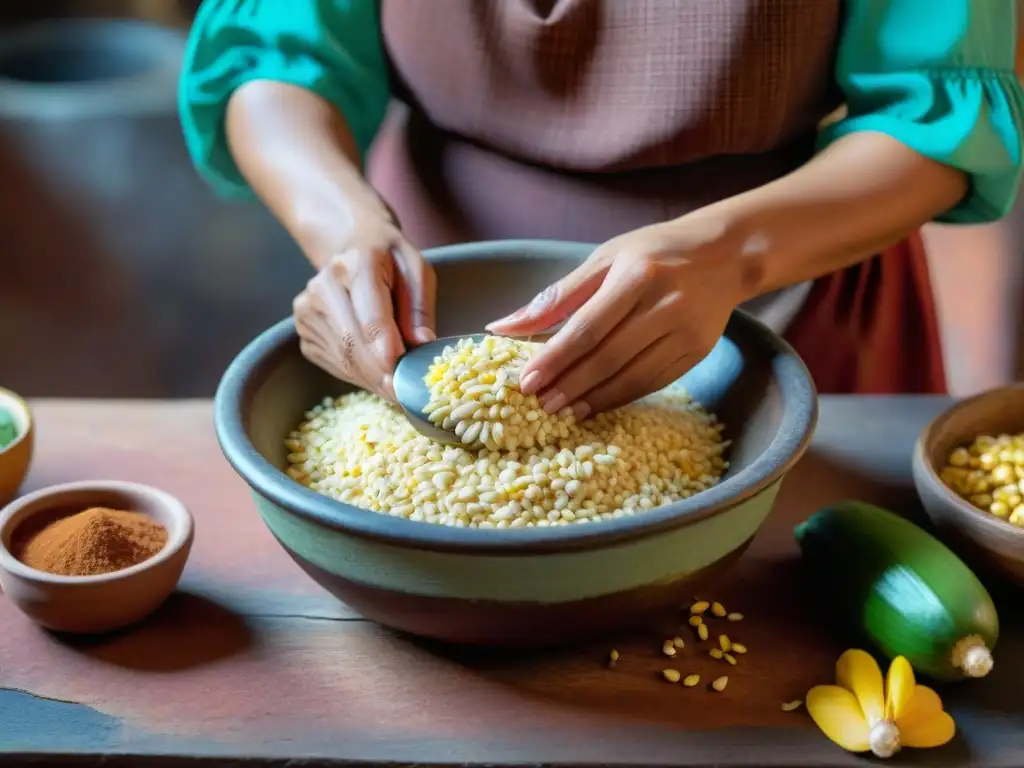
642	310
370	299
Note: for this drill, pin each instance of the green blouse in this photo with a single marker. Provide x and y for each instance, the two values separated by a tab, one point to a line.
937	75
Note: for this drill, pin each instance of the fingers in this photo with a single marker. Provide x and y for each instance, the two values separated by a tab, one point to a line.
374	312
415	293
655	368
345	345
584	331
556	302
642	328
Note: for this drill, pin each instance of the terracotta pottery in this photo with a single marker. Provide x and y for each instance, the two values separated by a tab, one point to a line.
16	457
985	541
518	587
94	604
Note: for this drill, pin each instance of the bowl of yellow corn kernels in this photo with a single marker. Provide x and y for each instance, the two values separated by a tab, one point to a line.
535	529
969	471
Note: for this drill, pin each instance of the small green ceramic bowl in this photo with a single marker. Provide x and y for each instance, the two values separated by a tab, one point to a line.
518	587
16	456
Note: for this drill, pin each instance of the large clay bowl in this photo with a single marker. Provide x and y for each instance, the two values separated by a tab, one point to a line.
521	587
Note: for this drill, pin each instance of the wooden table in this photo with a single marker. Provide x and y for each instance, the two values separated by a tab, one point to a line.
251	663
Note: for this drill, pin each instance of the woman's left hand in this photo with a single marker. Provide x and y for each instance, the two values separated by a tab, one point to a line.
642	310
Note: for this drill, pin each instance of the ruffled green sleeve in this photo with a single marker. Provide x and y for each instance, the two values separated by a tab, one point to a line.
937	75
331	47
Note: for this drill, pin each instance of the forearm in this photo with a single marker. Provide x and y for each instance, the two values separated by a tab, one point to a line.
862	193
298	155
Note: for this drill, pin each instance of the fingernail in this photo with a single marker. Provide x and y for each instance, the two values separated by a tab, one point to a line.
554	402
517	315
424	334
530	383
580	410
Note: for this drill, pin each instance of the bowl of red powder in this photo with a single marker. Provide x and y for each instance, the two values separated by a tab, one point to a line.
94	556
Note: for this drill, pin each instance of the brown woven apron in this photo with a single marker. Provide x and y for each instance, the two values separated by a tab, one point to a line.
582	119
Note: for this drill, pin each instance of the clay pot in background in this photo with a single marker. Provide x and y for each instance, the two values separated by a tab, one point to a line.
120	274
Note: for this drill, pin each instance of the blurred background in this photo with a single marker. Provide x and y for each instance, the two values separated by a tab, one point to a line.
122	276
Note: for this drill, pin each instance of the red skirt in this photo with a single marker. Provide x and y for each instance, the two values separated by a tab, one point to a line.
873	328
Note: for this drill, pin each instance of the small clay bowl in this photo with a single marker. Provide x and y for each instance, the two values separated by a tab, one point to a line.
16	457
985	541
110	601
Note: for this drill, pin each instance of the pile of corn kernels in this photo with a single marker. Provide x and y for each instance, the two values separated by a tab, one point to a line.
989	473
529	469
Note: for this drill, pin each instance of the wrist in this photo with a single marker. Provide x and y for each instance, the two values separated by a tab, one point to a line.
734	244
326	226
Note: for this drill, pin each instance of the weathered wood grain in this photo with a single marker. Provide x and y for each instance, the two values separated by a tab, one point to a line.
252	661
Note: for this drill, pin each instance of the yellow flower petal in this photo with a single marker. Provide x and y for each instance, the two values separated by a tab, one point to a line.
899	687
836	712
858	672
924	704
932	731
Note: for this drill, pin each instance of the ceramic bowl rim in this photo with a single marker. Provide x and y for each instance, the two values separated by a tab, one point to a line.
177	539
793	435
23	406
934	482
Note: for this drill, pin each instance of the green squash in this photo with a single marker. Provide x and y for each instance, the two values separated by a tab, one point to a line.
901	588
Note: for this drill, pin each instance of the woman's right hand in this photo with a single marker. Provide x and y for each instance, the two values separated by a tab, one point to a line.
371	298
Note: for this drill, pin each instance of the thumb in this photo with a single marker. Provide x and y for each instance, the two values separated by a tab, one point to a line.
556	302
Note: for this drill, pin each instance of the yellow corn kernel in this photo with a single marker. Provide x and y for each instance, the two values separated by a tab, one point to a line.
739	648
671	675
789	706
720	683
724	643
699	607
731	659
735	617
715	653
718	609
668	648
696	621
691	680
702	631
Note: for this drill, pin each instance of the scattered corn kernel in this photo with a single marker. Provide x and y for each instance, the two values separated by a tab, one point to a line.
699	607
724	643
613	657
739	648
720	683
691	680
696	621
668	648
702	631
735	617
789	706
678	642
718	609
715	653
730	658
672	675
